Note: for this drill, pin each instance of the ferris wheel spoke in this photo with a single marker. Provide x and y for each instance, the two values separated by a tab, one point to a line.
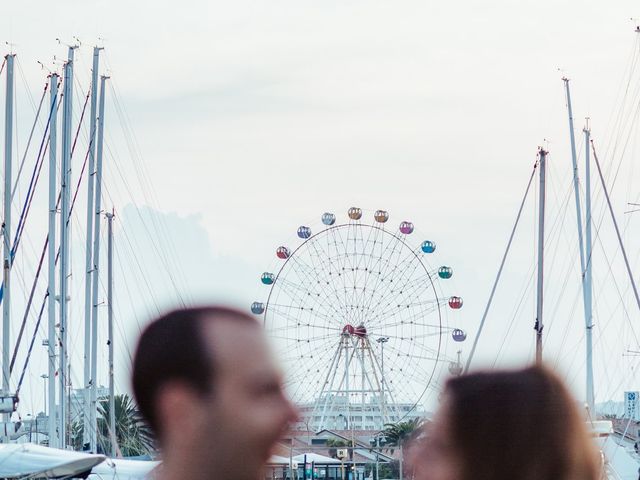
307	289
401	276
343	259
410	372
402	323
306	340
402	314
305	374
319	274
373	272
410	345
393	302
406	311
383	267
302	297
361	268
407	278
336	331
410	288
323	260
353	254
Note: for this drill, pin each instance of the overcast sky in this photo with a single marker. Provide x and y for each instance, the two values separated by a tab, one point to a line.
253	118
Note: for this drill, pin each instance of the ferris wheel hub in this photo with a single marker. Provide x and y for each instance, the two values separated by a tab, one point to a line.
359	331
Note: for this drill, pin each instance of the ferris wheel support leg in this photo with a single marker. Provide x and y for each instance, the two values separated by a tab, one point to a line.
332	369
346	380
383	409
376	388
364	373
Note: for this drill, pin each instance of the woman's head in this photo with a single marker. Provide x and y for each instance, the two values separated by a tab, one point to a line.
520	425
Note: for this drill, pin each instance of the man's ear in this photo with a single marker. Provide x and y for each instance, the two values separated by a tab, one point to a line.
180	410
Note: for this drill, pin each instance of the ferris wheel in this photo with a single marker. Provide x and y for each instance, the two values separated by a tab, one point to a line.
357	315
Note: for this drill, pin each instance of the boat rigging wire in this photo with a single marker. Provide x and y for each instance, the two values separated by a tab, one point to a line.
27	205
46	295
504	258
172	266
26	150
615	224
39	269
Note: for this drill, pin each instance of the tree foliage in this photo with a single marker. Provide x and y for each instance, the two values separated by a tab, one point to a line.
133	435
335	443
396	434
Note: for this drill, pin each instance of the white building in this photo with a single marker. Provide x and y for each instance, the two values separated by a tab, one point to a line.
333	413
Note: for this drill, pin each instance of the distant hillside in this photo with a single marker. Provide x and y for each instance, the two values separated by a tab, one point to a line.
610	408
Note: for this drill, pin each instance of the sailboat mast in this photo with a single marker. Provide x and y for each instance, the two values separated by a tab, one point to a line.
65	190
89	257
588	284
585	260
96	264
51	305
6	229
112	400
576	184
541	207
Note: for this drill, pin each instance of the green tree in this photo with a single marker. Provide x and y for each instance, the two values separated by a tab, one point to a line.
396	434
335	443
389	470
133	435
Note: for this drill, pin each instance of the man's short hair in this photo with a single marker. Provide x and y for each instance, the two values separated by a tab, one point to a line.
172	349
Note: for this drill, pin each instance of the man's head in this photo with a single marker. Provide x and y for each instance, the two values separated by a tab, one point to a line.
206	382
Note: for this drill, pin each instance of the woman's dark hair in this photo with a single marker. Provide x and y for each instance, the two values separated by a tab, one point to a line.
518	425
171	349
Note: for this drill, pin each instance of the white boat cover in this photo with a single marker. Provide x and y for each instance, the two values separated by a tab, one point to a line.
620	458
115	468
36	461
316	458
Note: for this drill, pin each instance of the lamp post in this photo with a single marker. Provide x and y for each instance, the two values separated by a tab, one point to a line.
44	378
382	341
346	421
30	417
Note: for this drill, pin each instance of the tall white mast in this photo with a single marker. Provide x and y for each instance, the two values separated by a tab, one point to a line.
6	229
96	270
588	285
89	257
576	183
585	261
112	400
539	326
65	190
51	293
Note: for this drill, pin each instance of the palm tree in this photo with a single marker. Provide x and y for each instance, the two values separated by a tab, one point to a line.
335	443
396	434
133	436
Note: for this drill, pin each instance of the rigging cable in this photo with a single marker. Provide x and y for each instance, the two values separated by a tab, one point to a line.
26	150
28	307
29	199
46	295
504	258
615	224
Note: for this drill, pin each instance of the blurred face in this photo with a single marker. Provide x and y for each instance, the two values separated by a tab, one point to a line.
247	412
435	457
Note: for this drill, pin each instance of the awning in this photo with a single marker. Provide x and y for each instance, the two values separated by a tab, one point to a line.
278	460
316	458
